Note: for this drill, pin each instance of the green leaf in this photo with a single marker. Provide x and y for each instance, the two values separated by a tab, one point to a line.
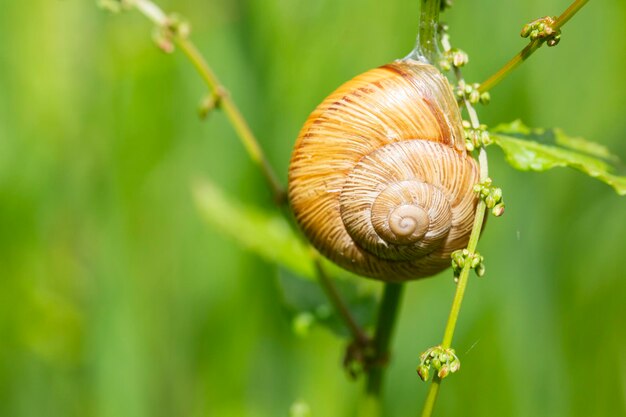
267	235
309	305
270	237
542	149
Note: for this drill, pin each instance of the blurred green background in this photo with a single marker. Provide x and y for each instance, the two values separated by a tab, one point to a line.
117	300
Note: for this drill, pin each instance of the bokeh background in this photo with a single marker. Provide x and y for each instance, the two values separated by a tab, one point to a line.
116	299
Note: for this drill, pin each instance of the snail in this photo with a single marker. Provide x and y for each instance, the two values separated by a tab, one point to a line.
380	181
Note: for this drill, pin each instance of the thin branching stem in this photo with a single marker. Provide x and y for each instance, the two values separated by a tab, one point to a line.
433	389
448	335
154	13
529	49
569	13
226	103
358	334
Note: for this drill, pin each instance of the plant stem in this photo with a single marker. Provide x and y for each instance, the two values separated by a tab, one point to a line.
337	302
387	315
226	103
463	278
433	389
255	152
234	115
427	43
461	286
569	13
426	49
530	48
428	27
431	397
154	13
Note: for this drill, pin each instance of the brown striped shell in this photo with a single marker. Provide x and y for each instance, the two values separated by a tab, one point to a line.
379	179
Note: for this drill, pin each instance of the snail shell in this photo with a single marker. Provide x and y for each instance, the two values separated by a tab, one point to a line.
379	179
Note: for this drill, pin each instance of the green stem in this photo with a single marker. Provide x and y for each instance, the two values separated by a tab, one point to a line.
433	389
387	315
431	397
235	117
517	60
463	278
154	13
254	150
338	304
226	103
569	13
448	334
426	49
427	44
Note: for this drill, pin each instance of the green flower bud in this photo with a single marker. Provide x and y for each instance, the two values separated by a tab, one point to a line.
480	270
554	40
423	373
474	96
497	194
459	58
443	372
476	260
498	210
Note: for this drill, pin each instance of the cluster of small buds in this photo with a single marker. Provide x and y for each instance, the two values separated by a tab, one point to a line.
491	195
471	93
543	29
444	362
164	35
463	257
453	58
475	138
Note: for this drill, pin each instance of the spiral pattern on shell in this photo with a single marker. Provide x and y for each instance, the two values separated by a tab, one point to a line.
379	180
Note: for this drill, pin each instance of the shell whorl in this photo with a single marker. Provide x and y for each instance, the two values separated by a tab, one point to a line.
379	179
